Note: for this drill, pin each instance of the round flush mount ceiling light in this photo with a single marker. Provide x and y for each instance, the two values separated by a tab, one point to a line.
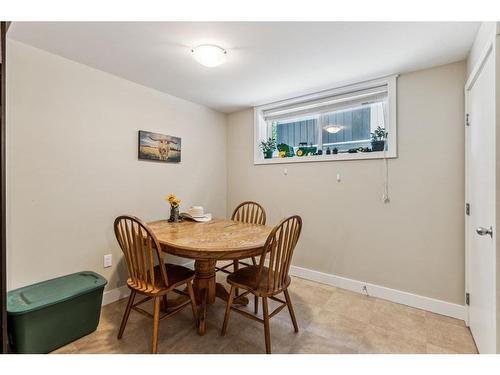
209	55
333	128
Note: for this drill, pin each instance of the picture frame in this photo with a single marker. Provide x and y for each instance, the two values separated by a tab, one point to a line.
158	147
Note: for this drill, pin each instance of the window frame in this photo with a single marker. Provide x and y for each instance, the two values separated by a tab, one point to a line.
262	129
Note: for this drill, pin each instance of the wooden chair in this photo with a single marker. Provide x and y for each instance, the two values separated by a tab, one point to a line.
267	282
142	252
252	213
246	212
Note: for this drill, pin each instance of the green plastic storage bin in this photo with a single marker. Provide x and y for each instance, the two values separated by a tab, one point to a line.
45	316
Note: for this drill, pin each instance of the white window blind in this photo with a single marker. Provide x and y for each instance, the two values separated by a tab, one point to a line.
328	103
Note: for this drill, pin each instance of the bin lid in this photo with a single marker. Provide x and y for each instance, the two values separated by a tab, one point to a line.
49	292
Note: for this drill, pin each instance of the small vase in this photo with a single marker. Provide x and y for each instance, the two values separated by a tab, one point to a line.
174	215
378	145
268	154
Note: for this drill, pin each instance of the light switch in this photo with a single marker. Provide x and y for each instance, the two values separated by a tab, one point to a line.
108	260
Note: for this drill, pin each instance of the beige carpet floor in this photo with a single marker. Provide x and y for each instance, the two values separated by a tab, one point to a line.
331	320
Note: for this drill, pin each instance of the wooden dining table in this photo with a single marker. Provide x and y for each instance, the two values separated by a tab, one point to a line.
207	243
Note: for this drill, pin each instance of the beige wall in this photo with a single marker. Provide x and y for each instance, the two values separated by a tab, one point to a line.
416	242
72	167
72	163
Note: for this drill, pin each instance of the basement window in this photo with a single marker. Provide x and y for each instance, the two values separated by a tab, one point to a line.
351	122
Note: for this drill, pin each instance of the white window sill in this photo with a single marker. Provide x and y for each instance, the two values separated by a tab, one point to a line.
332	157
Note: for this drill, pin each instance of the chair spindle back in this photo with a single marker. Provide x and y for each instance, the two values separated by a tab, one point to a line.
141	249
279	249
249	212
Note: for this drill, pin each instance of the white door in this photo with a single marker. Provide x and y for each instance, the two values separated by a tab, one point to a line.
481	196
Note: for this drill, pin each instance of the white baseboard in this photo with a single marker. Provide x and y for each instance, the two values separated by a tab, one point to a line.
114	295
413	300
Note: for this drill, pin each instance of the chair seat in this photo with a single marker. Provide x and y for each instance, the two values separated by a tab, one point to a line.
176	275
246	278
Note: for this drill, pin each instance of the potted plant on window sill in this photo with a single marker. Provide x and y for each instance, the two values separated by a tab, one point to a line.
379	136
285	151
268	147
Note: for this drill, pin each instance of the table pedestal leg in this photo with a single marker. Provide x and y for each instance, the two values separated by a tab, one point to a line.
236	267
204	288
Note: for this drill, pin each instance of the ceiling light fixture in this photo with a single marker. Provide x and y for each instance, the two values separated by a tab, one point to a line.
333	128
209	55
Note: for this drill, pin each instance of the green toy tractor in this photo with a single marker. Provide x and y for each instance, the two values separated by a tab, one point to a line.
305	150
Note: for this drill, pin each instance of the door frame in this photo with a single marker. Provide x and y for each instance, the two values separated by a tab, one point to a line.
488	51
4	26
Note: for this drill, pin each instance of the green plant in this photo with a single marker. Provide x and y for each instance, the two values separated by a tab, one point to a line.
288	150
379	134
268	146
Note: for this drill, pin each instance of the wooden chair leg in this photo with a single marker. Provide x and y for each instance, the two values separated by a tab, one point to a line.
236	267
267	332
290	309
228	311
156	321
164	303
256	304
126	314
254	261
193	302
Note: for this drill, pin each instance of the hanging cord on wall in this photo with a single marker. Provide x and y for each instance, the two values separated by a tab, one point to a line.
385	196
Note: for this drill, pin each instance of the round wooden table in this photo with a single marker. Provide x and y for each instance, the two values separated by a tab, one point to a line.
206	243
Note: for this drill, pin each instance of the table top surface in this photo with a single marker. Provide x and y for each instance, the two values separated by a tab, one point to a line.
218	238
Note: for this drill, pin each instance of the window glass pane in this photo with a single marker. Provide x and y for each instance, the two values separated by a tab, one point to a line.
297	131
351	128
351	122
343	130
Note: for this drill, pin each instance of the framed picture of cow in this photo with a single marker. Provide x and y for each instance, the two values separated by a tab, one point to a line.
159	147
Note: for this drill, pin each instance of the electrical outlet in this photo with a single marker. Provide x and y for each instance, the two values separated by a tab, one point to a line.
108	260
365	289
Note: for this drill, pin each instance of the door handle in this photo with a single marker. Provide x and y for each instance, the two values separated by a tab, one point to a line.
484	231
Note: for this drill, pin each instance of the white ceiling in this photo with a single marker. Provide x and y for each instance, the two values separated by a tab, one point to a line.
267	61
